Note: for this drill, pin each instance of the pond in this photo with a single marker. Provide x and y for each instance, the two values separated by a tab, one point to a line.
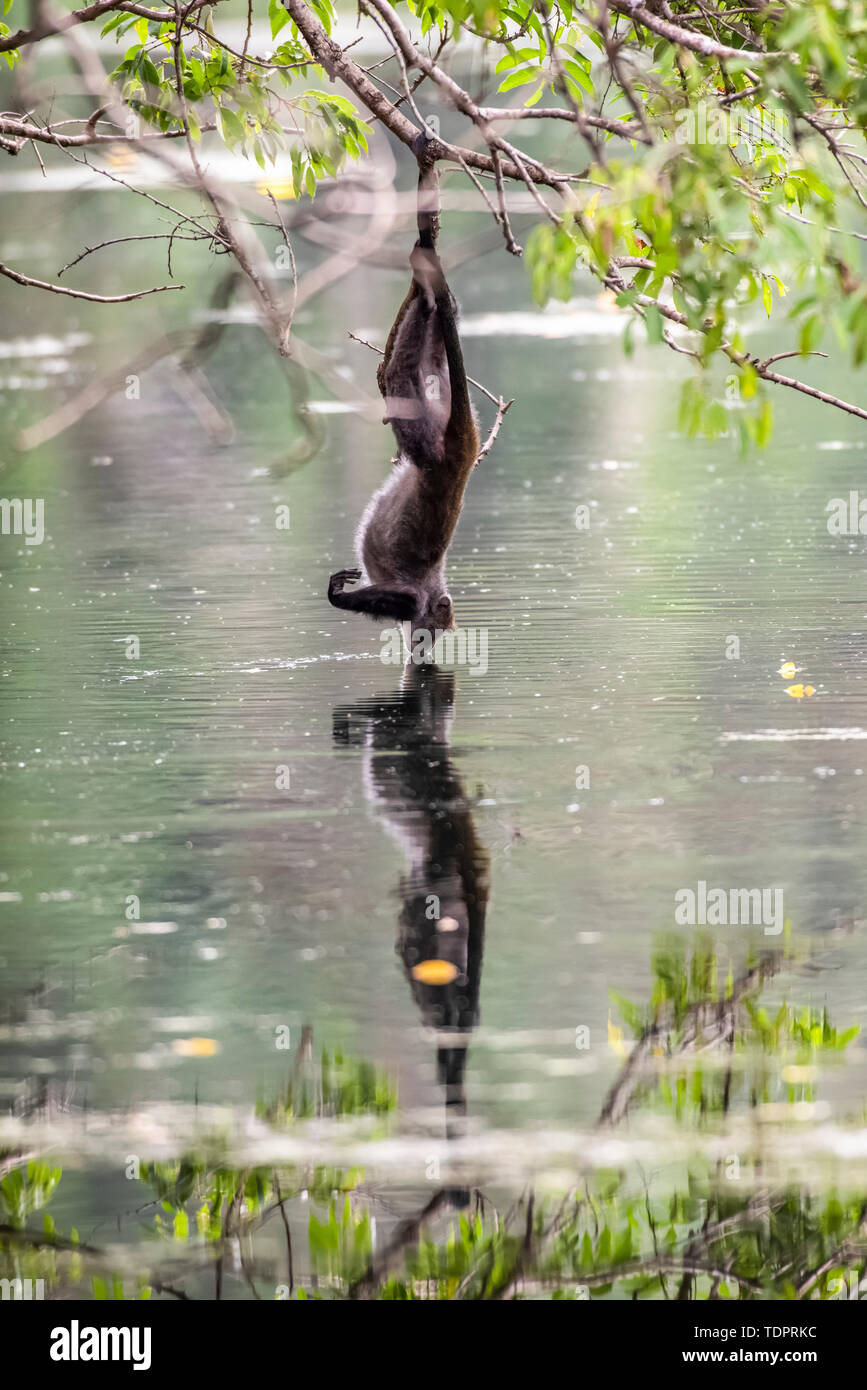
323	977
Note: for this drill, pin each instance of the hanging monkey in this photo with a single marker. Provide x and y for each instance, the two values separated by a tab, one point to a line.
407	526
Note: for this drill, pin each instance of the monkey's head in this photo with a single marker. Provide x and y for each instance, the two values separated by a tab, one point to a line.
437	613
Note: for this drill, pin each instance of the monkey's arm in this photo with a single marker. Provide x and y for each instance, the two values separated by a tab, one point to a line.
461	436
373	599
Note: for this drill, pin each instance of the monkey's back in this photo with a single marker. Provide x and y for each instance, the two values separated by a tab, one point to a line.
406	529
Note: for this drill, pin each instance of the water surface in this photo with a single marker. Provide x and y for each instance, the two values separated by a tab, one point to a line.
219	852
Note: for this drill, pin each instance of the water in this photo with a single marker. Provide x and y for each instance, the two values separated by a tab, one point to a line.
219	851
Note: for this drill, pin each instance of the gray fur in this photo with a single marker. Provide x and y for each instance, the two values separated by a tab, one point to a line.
408	524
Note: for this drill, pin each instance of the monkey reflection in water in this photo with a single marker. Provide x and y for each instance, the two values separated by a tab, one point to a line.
416	791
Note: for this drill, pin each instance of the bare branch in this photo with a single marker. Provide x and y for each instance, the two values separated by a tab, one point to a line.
779	356
743	359
511	243
502	407
118	240
740	359
28	281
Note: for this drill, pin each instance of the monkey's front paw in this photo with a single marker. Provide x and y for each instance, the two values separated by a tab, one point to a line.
340	579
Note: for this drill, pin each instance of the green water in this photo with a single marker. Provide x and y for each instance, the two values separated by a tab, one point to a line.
152	789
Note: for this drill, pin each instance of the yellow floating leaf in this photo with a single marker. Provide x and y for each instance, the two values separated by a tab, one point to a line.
281	188
799	1076
435	972
121	157
195	1047
615	1039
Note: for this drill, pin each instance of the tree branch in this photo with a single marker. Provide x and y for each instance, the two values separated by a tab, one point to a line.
25	130
559	113
684	38
28	281
331	57
59	23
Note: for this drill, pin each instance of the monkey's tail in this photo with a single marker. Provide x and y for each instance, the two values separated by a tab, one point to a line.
428	205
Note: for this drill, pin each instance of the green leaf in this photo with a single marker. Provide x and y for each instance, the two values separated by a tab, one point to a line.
231	127
519	78
654	324
767	298
278	17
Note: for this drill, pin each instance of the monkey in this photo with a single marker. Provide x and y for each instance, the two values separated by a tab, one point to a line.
408	524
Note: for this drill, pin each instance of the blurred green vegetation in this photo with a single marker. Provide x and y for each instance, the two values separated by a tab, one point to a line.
708	1229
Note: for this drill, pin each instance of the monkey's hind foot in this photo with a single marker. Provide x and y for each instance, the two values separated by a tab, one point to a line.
340	579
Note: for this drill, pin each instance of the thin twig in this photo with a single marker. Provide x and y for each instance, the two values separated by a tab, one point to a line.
501	404
511	244
381	351
287	243
28	281
117	240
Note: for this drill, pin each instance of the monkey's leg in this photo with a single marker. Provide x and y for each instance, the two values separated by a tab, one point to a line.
373	599
416	385
426	384
428	232
382	369
429	276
